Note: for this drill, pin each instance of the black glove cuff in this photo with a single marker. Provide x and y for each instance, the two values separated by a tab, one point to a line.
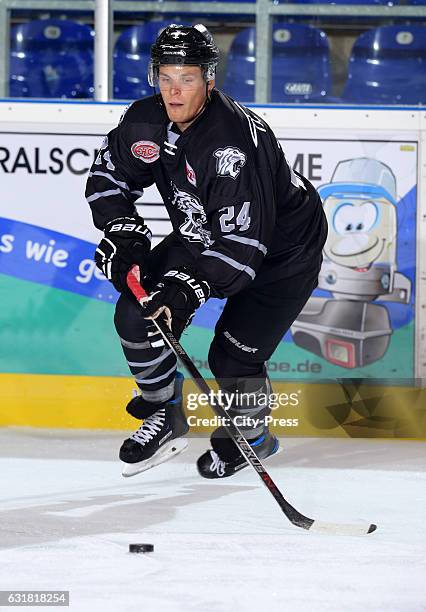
131	238
128	227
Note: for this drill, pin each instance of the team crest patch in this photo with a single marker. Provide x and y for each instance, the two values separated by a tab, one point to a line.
190	173
229	161
193	228
146	150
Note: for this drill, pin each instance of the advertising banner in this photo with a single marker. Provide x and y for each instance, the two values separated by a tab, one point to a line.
57	309
359	323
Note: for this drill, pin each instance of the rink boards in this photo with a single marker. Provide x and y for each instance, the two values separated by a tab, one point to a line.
60	361
300	409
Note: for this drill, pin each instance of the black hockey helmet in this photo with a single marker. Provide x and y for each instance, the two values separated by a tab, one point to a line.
191	45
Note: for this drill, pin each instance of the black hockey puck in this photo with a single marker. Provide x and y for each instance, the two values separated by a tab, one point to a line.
141	548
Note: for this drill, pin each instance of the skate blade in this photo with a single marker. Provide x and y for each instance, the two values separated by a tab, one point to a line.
168	451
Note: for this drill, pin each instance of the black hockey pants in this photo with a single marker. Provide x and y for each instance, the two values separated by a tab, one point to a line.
247	333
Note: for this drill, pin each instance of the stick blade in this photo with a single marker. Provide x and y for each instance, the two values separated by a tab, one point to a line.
342	529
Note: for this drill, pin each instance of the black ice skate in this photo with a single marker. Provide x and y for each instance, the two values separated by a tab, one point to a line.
156	440
225	459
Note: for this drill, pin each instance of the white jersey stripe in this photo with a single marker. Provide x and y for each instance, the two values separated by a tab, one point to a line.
231	262
104	194
249	241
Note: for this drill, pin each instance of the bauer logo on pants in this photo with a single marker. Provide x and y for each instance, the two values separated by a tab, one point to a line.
146	150
243	347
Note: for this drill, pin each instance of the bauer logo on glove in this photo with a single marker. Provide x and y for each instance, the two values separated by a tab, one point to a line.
177	295
126	241
199	292
131	228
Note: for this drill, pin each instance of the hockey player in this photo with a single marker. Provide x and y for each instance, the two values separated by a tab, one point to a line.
245	227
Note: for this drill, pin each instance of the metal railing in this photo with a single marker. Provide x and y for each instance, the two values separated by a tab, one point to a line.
262	10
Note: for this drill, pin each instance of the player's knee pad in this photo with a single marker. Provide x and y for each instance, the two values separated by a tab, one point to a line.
129	321
224	364
220	362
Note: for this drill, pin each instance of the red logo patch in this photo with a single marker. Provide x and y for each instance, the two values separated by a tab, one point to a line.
146	150
190	174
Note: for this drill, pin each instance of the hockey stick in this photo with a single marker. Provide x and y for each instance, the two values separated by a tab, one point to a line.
293	515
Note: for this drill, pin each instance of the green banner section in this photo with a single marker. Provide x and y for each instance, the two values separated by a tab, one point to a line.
51	331
290	362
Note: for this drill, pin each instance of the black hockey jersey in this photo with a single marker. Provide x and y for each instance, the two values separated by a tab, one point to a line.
232	198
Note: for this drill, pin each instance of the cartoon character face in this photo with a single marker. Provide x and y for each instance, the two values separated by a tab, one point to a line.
361	231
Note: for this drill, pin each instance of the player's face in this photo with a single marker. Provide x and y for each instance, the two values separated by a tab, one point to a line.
183	90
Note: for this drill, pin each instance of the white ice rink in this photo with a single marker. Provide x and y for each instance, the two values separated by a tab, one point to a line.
67	518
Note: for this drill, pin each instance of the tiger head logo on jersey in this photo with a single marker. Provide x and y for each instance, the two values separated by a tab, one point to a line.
192	229
229	161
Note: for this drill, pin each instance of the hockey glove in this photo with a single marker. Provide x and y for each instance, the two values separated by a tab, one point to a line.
177	295
126	241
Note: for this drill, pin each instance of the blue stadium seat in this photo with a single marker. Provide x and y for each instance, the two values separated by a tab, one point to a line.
131	57
388	66
300	65
51	58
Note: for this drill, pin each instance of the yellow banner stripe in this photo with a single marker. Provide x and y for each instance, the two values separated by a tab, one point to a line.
327	410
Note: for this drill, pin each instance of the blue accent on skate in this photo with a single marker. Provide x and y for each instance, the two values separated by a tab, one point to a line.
179	379
276	446
262	439
257	441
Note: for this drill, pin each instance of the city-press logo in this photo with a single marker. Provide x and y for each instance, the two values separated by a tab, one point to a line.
245	409
146	150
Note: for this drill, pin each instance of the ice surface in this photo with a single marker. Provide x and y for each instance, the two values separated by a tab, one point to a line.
67	518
